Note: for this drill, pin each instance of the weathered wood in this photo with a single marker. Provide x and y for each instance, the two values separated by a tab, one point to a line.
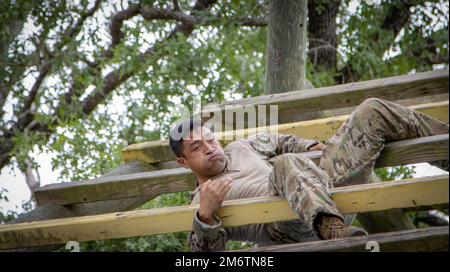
346	95
286	46
53	211
411	151
354	199
150	184
419	240
46	212
116	205
303	116
425	149
320	129
384	221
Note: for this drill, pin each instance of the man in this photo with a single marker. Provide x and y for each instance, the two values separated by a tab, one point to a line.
266	164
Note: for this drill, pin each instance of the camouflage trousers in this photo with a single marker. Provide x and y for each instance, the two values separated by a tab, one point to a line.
347	159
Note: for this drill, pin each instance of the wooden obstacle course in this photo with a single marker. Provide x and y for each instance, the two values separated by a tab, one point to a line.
428	239
312	114
319	129
351	199
179	179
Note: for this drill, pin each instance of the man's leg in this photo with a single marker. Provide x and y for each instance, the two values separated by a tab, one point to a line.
350	154
305	186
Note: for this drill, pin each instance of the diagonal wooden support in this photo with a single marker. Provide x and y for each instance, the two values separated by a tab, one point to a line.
352	199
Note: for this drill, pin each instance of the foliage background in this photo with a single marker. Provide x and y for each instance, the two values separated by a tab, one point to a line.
220	59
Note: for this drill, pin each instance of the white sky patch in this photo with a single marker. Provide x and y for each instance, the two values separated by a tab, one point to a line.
14	181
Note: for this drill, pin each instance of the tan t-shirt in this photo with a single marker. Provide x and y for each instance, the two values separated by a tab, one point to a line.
252	158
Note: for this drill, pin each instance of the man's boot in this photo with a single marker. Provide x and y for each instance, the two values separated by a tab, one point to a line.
332	227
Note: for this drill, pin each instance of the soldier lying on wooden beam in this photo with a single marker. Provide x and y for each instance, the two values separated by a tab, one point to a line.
272	164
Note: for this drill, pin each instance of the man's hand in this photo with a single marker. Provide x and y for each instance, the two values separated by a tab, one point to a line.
317	147
212	193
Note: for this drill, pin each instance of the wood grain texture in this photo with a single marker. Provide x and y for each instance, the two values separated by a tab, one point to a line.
346	95
286	46
320	129
418	240
150	184
360	198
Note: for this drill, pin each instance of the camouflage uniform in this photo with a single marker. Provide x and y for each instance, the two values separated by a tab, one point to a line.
347	159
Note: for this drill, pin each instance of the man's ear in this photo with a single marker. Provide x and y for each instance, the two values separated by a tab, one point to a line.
183	162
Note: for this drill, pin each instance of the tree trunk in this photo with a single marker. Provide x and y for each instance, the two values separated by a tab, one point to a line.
286	46
322	33
286	71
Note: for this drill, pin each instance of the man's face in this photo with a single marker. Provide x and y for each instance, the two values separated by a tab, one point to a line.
203	153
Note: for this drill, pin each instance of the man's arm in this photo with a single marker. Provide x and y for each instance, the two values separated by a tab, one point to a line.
205	237
208	234
271	144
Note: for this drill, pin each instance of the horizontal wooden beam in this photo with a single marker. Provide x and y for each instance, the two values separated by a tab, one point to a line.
179	179
346	95
150	184
319	129
352	199
304	116
433	239
424	149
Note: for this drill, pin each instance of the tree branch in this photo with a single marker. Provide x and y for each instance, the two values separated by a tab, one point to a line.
77	28
32	182
114	78
257	22
428	53
13	29
117	77
397	17
26	114
116	25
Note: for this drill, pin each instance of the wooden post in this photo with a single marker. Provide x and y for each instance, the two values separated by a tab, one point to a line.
286	71
286	46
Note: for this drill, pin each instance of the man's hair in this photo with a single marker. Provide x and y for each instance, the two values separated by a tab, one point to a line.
182	131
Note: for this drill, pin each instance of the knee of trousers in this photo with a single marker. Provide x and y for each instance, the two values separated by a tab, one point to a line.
370	104
287	164
281	166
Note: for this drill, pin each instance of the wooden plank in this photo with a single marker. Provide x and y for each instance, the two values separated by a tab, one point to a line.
425	149
360	198
150	184
418	240
347	110
320	129
346	95
180	179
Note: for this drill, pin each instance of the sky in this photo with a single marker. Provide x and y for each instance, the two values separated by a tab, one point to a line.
18	193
